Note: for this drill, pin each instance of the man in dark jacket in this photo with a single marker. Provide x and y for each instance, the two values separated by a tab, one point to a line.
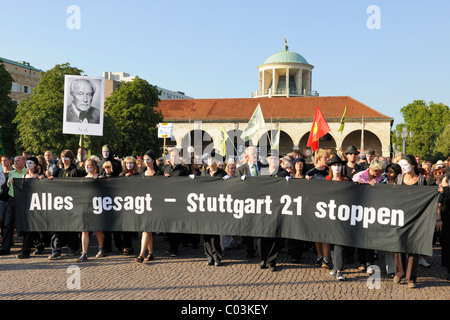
59	239
173	169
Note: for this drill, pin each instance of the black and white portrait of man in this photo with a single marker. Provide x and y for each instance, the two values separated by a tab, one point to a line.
83	101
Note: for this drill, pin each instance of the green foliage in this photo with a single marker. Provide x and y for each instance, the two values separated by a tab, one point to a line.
7	112
442	149
133	108
427	121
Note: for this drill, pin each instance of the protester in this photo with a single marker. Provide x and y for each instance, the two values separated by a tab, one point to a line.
211	243
351	167
31	239
129	168
174	169
336	173
250	168
52	164
150	170
269	248
6	167
321	171
108	155
9	219
443	224
59	238
299	168
406	264
392	172
297	246
92	170
372	175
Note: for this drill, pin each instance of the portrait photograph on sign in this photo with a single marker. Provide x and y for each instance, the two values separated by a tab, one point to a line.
83	105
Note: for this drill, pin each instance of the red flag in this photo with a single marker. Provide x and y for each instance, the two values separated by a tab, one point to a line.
319	128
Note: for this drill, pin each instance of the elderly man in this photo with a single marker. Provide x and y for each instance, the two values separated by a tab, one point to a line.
8	231
252	168
82	92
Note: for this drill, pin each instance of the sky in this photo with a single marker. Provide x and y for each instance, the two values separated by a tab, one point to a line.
385	58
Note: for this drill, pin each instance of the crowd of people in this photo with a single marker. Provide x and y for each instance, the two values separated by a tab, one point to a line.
346	166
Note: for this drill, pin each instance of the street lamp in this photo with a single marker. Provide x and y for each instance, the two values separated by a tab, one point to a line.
404	135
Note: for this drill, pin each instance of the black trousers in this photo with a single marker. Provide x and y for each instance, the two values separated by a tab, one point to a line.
31	240
213	250
60	239
268	249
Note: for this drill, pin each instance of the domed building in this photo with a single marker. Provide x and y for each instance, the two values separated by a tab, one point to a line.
288	104
286	74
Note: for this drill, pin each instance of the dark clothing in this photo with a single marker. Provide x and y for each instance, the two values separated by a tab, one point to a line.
60	239
116	166
411	260
174	171
444	237
350	172
211	242
70	172
92	115
219	173
316	173
4	189
175	238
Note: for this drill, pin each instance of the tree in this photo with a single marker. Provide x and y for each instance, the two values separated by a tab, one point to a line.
7	112
427	121
442	149
40	117
132	106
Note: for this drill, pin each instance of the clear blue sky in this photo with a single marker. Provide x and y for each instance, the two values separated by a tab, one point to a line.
211	49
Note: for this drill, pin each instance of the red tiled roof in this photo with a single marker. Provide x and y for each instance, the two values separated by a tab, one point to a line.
277	109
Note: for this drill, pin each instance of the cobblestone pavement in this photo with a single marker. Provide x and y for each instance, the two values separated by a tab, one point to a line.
188	277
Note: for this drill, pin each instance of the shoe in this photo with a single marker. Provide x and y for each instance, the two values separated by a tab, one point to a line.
411	285
424	262
273	267
326	263
38	252
210	263
339	276
217	263
139	259
318	262
173	255
83	257
150	257
262	265
100	253
55	256
397	279
23	255
332	272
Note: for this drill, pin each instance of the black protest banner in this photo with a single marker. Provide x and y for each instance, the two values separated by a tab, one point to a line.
383	217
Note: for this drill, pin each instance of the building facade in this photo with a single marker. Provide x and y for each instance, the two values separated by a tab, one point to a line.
25	78
288	103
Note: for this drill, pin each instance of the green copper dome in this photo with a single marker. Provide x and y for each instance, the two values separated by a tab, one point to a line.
286	56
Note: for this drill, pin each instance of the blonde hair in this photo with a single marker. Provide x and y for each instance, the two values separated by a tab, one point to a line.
129	159
94	164
320	153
